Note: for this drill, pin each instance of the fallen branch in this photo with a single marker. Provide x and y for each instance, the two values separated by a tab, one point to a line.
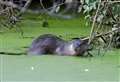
103	34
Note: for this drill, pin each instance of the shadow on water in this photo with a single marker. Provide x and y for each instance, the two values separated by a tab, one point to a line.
11	53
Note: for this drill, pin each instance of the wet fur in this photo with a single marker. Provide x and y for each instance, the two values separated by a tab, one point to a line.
51	44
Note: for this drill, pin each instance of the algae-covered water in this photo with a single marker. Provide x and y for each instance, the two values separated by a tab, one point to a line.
59	68
23	68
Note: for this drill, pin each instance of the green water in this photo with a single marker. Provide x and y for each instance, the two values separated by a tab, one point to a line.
59	68
24	68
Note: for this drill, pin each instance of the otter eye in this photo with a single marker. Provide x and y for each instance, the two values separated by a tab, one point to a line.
78	43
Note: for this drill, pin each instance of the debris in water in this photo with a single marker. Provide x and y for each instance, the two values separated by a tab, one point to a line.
32	68
86	70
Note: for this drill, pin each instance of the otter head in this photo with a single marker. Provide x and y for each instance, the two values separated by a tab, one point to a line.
80	46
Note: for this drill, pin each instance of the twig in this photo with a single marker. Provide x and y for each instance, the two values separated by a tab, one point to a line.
93	25
25	6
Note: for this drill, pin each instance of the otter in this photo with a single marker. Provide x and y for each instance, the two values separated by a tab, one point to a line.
51	44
